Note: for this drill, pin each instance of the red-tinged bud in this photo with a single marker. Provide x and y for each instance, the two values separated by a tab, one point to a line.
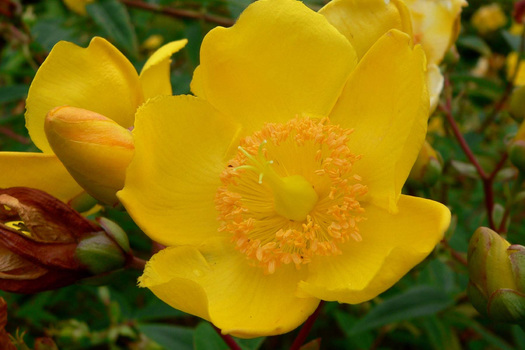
519	11
5	341
40	238
45	344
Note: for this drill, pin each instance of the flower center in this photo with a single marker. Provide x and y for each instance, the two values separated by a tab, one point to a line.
290	193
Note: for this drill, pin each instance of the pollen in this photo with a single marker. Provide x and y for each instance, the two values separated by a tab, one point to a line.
290	193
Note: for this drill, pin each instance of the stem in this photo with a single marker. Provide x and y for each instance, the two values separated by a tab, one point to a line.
180	13
508	88
12	135
136	263
514	191
487	183
232	344
306	328
454	253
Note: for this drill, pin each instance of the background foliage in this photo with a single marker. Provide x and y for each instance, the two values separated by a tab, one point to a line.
427	309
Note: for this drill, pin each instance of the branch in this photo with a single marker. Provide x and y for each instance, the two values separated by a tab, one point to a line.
306	328
508	88
180	13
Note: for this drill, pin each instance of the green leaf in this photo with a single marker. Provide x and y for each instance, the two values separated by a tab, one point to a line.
170	337
512	40
206	338
47	32
440	335
465	169
416	302
475	43
250	344
346	322
113	18
13	93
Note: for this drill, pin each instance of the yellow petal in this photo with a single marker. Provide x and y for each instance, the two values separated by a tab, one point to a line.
37	170
181	146
435	25
216	282
435	83
98	78
386	103
362	22
512	60
95	150
155	75
279	60
392	245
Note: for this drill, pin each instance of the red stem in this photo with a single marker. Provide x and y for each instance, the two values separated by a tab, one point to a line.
180	13
454	253
306	328
136	263
486	178
232	344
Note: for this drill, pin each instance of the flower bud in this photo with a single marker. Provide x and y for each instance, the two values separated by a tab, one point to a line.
427	168
5	341
517	149
517	103
40	241
488	18
94	149
496	273
519	11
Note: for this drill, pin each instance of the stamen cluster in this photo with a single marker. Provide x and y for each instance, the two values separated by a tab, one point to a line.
313	149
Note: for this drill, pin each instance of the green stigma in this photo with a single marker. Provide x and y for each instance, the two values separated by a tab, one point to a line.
294	196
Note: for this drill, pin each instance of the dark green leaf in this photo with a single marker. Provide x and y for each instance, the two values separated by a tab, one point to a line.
170	337
113	18
206	338
416	302
13	93
475	43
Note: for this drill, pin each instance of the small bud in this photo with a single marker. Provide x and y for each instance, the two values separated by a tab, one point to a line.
40	237
517	103
517	149
496	276
100	254
94	149
116	232
427	169
519	11
45	344
5	341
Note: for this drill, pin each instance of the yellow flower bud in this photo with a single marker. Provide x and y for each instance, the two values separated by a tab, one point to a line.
488	18
495	276
94	149
427	168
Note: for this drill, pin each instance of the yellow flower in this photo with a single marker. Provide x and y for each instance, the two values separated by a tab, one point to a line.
436	27
434	24
94	79
512	60
488	18
78	6
279	184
